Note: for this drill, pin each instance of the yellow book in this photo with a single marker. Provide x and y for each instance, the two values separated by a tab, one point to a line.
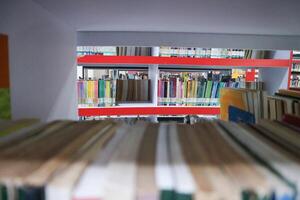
90	83
92	91
195	93
188	89
232	97
107	89
193	89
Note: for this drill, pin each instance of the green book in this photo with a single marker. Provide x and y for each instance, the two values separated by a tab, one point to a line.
101	88
167	195
221	85
208	89
181	196
199	88
203	90
3	192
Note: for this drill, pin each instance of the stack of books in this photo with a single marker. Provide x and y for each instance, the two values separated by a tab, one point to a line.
68	160
282	103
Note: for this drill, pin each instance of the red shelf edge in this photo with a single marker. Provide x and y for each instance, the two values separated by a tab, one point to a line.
167	110
98	59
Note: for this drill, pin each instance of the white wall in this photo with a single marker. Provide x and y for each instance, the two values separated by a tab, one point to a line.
42	61
274	79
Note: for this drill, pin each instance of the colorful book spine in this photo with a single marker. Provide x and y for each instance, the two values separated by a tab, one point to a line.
96	93
184	92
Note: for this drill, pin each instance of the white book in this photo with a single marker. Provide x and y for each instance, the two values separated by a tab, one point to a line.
121	171
163	171
90	185
184	181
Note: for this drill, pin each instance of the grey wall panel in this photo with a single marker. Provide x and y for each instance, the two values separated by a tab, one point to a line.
113	38
42	56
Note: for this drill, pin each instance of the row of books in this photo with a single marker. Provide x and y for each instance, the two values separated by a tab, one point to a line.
114	50
215	53
282	103
106	93
196	92
202	52
96	50
240	104
94	93
296	67
134	51
110	160
177	91
133	91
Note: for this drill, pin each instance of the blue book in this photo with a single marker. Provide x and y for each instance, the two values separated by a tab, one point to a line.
239	115
214	90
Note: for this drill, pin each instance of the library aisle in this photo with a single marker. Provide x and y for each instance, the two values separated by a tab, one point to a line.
149	100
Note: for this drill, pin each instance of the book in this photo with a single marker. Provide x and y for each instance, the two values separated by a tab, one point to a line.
91	183
292	120
239	115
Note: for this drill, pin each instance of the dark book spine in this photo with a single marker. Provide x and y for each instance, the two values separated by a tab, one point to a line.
31	193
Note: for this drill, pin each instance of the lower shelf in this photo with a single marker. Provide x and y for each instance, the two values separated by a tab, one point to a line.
154	110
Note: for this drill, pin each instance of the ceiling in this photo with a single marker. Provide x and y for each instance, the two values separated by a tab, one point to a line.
266	17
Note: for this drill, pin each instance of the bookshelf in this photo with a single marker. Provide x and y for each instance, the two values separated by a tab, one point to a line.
180	62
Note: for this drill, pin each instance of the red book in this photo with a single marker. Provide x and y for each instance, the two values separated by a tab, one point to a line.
292	120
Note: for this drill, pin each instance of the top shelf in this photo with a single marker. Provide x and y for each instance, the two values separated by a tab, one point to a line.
94	60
